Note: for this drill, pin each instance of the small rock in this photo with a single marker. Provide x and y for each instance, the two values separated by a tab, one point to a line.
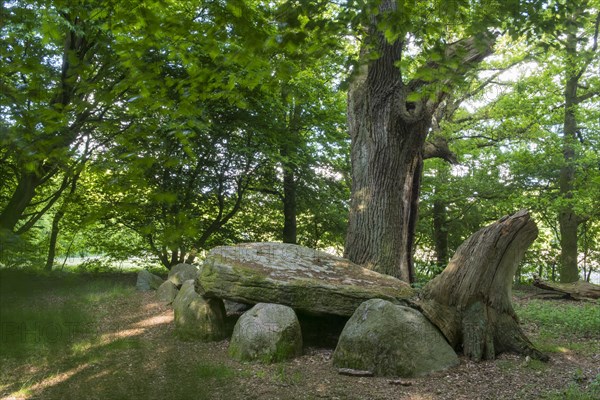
167	292
266	333
181	273
147	281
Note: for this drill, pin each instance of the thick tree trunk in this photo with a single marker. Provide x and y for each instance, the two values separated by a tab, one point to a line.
388	120
386	174
387	159
470	301
20	199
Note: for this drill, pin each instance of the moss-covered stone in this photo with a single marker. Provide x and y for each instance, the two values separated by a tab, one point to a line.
197	317
392	340
167	292
307	280
266	333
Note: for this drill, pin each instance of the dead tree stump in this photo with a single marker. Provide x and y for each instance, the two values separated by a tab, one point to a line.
470	301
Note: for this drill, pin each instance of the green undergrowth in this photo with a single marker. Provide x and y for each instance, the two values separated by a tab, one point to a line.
562	326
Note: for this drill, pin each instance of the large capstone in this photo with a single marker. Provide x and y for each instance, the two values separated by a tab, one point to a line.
197	317
181	273
147	281
392	340
266	333
307	280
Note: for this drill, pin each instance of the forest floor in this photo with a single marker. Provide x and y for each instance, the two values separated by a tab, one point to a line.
95	337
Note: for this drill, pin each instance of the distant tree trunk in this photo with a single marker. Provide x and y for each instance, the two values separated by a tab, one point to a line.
568	220
440	233
576	290
289	205
53	239
440	218
470	301
61	213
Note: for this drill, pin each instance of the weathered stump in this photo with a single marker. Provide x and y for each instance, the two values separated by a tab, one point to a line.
470	301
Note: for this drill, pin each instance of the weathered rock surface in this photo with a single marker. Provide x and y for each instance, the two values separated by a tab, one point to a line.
392	340
307	280
181	273
167	292
266	333
147	281
196	317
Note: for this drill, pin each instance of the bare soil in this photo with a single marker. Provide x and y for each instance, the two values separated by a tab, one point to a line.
139	357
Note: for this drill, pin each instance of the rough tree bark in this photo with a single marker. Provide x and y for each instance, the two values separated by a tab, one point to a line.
388	121
470	301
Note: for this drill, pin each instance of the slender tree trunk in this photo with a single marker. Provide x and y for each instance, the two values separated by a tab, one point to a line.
289	205
440	234
54	239
568	219
440	219
61	213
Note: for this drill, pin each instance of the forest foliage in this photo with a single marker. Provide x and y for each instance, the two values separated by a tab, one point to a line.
163	128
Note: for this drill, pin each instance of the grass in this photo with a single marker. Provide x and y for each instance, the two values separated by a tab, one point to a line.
582	319
575	392
214	371
562	326
44	315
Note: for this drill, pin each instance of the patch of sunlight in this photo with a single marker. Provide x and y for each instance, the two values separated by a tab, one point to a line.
151	306
19	395
99	375
84	346
123	333
156	320
49	381
560	349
